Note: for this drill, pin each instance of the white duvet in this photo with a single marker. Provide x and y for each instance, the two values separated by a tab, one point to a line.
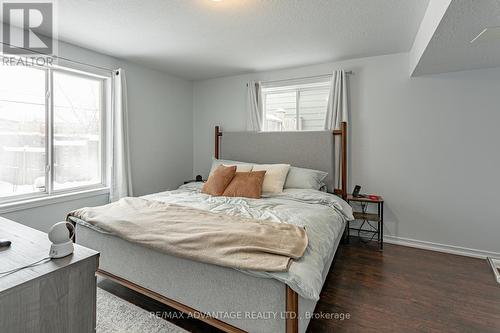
322	214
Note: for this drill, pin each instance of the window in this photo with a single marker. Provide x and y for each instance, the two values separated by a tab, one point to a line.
298	106
51	131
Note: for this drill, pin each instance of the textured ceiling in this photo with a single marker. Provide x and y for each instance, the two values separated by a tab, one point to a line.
450	48
199	39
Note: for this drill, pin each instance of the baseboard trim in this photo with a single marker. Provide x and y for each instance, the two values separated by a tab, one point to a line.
462	251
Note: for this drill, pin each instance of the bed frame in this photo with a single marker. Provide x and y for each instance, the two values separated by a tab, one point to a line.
291	306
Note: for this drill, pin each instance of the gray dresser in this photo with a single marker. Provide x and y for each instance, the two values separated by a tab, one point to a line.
55	296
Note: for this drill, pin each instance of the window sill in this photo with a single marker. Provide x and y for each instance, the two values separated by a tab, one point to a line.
49	200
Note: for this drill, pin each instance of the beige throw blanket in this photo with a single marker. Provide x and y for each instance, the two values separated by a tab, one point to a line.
200	235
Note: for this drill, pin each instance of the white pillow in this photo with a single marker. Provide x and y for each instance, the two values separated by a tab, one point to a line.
275	176
240	166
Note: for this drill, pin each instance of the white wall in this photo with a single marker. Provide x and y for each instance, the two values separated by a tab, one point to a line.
429	145
161	127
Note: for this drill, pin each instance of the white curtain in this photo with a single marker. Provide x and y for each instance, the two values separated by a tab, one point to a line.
121	180
336	111
255	114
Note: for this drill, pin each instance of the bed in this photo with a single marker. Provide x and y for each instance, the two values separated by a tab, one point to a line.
241	300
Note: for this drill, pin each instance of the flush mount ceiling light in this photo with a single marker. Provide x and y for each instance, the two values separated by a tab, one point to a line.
488	34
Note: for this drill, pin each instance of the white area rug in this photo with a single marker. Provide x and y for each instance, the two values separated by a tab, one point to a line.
115	315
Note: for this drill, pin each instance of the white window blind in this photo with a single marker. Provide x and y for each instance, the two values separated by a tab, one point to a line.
295	106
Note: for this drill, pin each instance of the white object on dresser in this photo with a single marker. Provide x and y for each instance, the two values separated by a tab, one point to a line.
62	244
53	296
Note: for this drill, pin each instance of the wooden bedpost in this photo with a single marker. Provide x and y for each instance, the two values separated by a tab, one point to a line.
342	132
343	128
218	134
292	311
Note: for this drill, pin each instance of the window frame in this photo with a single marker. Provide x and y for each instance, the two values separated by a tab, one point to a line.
50	192
280	87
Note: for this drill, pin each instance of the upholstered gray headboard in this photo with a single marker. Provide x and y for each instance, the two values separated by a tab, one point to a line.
313	150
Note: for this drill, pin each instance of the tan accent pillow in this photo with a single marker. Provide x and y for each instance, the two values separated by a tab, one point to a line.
219	180
275	176
246	184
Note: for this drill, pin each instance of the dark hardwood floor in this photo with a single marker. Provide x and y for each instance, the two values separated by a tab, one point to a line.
398	290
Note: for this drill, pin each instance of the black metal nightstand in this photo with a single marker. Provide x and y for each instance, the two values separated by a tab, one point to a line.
368	218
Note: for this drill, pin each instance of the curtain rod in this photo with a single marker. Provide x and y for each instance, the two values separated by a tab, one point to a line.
62	58
305	78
